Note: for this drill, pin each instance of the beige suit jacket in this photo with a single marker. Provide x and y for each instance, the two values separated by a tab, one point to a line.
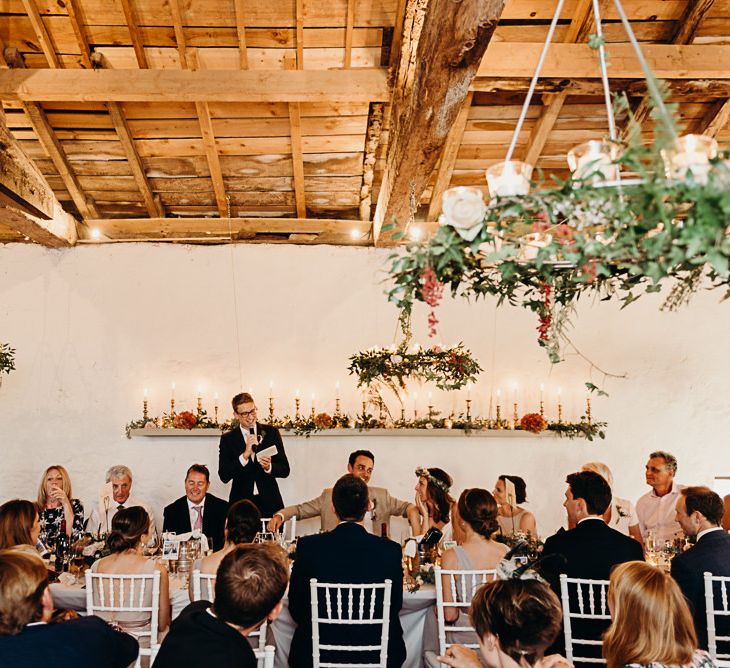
384	504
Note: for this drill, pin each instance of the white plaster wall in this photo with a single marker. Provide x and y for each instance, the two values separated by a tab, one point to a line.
95	325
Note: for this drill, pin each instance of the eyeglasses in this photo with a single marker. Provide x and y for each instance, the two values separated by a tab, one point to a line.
246	414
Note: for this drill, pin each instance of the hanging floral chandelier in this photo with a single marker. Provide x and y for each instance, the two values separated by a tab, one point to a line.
631	219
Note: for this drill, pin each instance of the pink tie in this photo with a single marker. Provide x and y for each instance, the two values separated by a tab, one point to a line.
199	518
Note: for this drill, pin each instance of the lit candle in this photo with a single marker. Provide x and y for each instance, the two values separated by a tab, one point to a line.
337	390
172	391
468	391
271	389
200	399
542	390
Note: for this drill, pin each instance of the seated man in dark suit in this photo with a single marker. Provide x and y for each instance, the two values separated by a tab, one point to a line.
590	550
250	584
699	513
197	510
349	555
27	640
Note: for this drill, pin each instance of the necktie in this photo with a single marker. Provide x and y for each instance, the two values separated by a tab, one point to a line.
199	518
120	507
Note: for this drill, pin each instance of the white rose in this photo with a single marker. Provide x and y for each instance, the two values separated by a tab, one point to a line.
464	209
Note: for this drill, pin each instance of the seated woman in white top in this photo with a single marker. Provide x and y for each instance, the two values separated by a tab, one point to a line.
243	522
512	518
621	514
130	533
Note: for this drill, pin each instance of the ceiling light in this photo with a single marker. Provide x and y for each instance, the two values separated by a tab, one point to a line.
95	233
415	233
354	233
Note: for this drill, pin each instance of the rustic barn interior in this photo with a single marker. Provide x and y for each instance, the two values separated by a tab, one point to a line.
311	122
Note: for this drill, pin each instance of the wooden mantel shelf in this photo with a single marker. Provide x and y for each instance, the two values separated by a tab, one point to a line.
347	433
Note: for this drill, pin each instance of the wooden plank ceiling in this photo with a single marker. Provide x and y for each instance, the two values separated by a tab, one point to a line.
281	121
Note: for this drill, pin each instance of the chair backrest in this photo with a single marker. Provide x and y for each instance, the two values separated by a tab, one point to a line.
204	589
113	595
265	654
718	610
288	528
350	605
585	600
461	585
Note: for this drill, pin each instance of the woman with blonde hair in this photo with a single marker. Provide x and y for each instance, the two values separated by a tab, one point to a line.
621	514
666	635
56	505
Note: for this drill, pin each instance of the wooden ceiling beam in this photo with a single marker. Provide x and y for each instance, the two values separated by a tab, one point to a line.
77	23
40	85
688	25
240	9
44	37
299	29
438	61
135	34
717	118
448	158
58	232
297	156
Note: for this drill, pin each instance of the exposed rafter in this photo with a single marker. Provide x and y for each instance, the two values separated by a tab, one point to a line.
436	67
41	85
135	33
77	23
240	9
448	158
717	118
49	50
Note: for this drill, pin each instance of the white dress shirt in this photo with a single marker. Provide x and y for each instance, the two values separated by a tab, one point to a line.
658	514
194	513
97	520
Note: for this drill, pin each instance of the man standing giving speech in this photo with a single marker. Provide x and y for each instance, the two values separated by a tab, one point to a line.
253	457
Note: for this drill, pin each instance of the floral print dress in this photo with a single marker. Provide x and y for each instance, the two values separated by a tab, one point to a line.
700	659
51	519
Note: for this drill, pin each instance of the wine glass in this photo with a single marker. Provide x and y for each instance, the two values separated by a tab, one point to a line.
152	546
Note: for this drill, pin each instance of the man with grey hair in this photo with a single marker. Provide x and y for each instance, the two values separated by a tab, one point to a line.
120	478
656	510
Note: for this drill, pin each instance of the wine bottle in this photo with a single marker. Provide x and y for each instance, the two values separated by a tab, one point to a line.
384	529
62	548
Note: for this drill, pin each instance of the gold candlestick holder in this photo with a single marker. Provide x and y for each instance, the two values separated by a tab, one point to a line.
297	411
560	413
588	410
200	405
145	413
403	414
430	412
271	409
498	420
364	408
215	411
468	410
542	408
515	416
312	413
172	407
337	407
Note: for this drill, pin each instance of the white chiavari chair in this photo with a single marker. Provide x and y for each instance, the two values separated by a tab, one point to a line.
350	605
461	586
265	656
110	595
718	610
204	589
584	600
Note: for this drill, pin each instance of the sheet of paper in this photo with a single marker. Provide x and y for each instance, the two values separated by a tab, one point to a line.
267	452
509	492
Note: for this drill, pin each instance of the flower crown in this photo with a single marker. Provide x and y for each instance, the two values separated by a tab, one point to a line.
423	472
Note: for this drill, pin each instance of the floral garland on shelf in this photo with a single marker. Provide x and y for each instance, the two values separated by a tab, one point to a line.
585	236
311	424
450	368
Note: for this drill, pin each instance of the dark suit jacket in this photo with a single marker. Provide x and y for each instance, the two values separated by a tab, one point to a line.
177	518
711	554
86	642
347	554
268	500
196	638
590	551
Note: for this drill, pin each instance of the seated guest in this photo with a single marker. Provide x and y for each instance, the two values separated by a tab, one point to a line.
130	532
699	512
384	506
726	515
592	549
650	622
197	510
515	621
19	524
349	555
56	505
656	510
120	477
512	518
243	522
27	640
433	500
249	587
621	514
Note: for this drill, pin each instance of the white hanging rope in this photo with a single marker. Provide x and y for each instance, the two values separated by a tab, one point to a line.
235	294
604	72
535	77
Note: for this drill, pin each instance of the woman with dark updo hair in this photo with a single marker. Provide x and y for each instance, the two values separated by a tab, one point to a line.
130	532
513	519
